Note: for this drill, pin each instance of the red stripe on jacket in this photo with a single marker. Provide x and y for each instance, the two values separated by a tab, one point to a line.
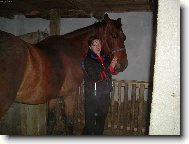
112	70
103	74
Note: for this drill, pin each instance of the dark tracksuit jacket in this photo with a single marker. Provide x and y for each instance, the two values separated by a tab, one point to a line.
96	70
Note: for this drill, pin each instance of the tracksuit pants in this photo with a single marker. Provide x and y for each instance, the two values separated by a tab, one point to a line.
96	110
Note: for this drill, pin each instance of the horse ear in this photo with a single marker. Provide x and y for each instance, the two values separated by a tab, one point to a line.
119	20
106	17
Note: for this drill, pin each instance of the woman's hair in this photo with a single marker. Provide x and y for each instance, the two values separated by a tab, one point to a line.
91	39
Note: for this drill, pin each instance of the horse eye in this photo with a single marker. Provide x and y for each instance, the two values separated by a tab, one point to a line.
122	35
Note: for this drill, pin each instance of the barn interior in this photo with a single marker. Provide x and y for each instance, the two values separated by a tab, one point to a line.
138	19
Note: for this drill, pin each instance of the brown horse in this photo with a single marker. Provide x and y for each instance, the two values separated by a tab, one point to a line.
35	74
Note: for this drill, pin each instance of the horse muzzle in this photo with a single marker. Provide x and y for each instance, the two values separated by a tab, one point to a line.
122	65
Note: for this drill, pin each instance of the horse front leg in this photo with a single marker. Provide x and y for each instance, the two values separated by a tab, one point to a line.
70	103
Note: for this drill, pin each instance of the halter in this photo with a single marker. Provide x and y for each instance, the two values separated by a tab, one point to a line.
117	50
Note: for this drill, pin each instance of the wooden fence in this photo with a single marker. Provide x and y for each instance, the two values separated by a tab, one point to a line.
127	113
24	119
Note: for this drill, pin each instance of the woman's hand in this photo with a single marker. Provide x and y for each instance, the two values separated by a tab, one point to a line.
114	61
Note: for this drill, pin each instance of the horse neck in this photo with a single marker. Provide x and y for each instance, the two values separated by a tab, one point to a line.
78	40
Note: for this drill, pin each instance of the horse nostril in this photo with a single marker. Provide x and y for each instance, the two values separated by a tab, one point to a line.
117	67
122	65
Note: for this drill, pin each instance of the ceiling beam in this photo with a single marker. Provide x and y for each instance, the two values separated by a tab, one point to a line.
72	8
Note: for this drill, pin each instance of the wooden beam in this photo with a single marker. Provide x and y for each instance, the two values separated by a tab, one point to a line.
54	22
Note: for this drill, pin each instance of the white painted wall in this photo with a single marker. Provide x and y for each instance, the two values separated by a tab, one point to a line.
165	110
136	25
21	25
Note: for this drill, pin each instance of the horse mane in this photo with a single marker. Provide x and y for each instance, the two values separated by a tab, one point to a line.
83	30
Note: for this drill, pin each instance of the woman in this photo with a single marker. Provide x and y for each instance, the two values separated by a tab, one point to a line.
97	87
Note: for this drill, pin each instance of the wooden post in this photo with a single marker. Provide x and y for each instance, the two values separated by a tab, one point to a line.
126	106
141	108
55	30
33	119
112	107
136	109
133	99
119	105
54	22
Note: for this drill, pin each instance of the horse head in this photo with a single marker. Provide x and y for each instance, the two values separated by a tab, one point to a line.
112	37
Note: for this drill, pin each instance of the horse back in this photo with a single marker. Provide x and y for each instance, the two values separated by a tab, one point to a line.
69	59
43	76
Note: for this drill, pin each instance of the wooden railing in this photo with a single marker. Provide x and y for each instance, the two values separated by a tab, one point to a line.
127	113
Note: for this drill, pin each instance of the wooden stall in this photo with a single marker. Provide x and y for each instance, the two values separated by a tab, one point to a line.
23	119
128	111
127	114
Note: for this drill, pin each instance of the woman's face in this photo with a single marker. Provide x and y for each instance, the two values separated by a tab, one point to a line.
96	46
